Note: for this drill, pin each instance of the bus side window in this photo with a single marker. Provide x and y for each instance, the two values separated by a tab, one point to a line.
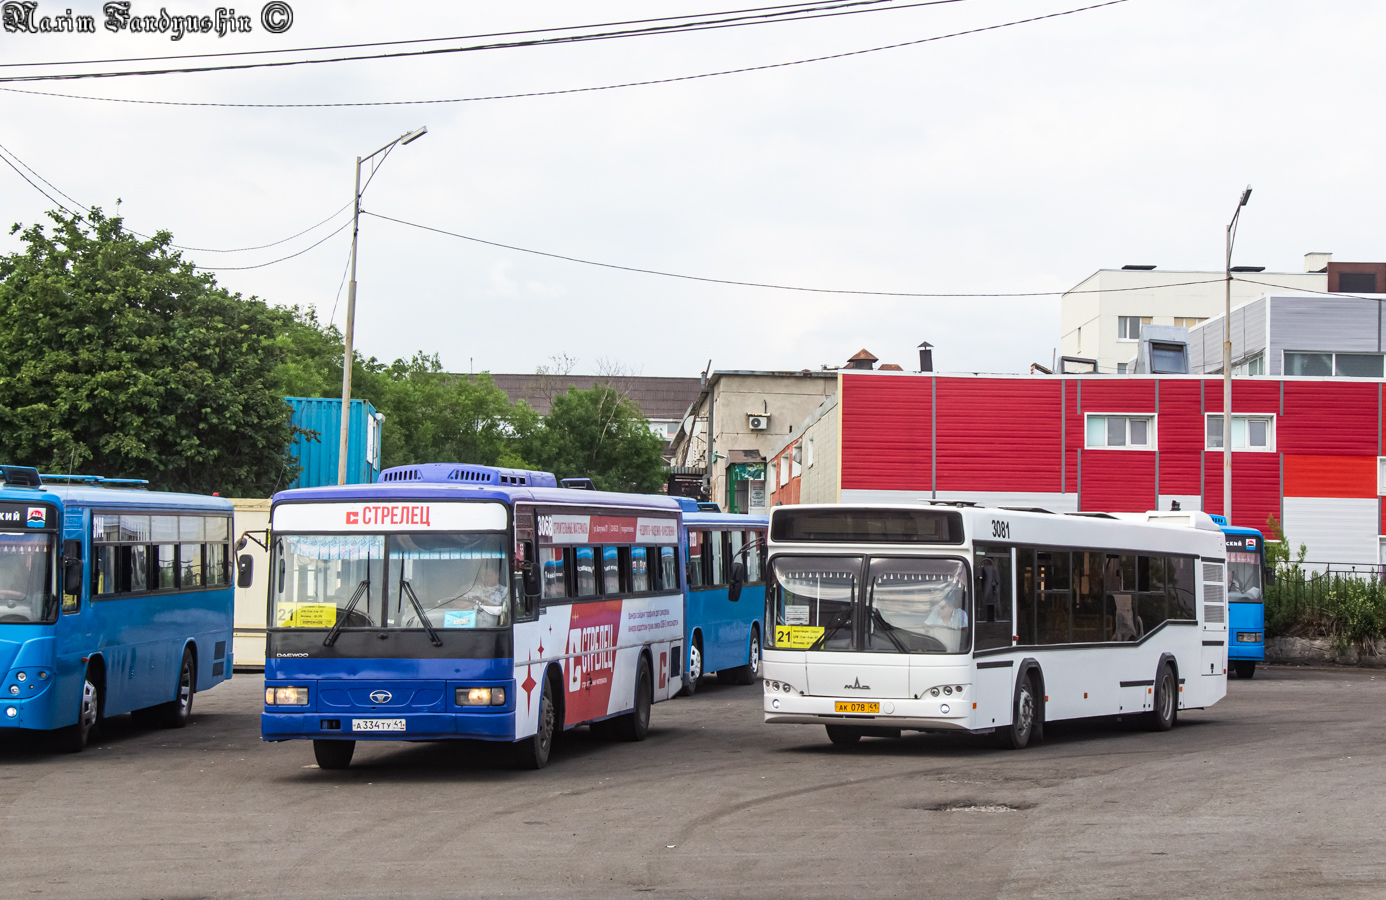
714	553
1025	603
553	573
1181	588
638	564
586	571
695	558
611	570
753	551
72	577
993	604
668	569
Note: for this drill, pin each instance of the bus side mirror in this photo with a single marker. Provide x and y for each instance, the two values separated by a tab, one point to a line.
738	578
72	567
245	570
1269	572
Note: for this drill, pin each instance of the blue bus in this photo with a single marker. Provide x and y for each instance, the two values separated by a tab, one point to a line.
724	624
1246	606
460	601
112	600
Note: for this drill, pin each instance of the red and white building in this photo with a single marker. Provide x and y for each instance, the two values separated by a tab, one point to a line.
1308	451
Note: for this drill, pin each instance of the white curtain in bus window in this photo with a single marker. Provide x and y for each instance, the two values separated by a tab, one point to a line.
105	528
918	606
551	564
25	567
611	570
192	531
586	571
458	581
639	570
164	532
753	575
712	547
1244	576
315	578
813	602
738	543
218	552
695	558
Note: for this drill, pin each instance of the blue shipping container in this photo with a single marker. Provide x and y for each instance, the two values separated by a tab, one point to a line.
318	457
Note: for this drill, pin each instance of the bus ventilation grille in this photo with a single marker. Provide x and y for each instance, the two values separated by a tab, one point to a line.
401	475
452	473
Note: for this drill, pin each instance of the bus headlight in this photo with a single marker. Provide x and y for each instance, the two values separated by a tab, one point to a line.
481	696
286	696
943	708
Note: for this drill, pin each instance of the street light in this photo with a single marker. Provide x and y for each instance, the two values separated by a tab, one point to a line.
407	138
1227	366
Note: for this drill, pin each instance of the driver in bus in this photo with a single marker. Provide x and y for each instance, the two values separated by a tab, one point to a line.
488	593
948	613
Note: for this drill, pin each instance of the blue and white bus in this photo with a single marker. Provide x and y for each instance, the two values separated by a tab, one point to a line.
1246	602
112	600
723	551
461	601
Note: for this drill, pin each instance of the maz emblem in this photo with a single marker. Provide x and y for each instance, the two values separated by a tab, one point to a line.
856	685
381	696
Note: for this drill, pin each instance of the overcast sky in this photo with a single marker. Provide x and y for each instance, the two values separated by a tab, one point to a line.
1015	160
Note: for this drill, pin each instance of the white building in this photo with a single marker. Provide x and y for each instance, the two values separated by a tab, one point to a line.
1102	315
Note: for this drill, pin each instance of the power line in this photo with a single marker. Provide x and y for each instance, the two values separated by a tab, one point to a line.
281	259
789	8
9	154
759	284
581	90
709	25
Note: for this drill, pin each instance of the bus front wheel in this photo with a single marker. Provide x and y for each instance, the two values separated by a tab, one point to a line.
533	751
1244	668
1016	736
75	737
333	754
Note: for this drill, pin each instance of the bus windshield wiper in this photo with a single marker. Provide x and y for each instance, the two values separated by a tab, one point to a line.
408	588
346	613
888	630
842	619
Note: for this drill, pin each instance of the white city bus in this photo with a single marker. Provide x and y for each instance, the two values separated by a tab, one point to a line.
882	619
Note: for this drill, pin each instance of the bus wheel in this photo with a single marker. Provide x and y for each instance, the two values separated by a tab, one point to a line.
749	673
74	738
634	725
533	751
843	736
178	710
1161	718
695	667
1244	668
1017	735
333	754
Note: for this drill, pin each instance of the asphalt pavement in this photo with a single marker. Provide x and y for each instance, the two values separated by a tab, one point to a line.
1275	792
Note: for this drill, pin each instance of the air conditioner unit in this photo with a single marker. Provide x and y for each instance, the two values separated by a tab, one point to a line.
758	423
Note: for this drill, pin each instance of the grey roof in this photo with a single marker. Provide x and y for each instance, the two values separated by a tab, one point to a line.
660	399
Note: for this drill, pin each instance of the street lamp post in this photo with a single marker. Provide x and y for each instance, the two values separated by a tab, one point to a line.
403	139
1227	366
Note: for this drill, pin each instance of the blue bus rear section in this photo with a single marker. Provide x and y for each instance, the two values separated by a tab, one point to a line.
125	631
1246	608
723	636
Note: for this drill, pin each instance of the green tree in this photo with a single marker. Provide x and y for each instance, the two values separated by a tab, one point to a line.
599	434
118	358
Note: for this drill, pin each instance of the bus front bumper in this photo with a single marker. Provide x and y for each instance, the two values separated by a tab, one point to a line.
953	714
384	726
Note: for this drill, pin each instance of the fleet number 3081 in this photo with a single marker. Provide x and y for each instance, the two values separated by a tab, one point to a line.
1000	529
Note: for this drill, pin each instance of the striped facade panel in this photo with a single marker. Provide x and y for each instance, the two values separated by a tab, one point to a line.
1255	487
1249	395
886	432
998	434
1330	476
1180	431
1072	436
1116	480
1333	530
1316	323
1329	417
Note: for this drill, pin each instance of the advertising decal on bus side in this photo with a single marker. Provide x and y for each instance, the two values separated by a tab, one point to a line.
570	529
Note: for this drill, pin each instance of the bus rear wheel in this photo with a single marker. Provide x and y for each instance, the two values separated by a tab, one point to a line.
176	712
1244	668
842	736
1162	716
635	725
694	675
333	754
1016	736
750	672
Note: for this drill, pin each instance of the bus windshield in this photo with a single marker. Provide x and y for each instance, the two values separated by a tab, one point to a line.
1244	576
906	605
454	580
26	579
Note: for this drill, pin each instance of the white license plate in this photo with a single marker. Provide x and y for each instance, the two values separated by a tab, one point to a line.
377	724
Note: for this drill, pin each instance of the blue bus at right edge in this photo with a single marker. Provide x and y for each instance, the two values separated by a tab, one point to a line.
1246	606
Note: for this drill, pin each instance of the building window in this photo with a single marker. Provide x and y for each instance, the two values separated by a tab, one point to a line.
1381	476
1341	365
808	452
1188	321
1248	432
1357	282
1121	368
1109	432
1129	327
1168	359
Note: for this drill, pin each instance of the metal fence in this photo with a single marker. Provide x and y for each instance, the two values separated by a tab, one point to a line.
1331	599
